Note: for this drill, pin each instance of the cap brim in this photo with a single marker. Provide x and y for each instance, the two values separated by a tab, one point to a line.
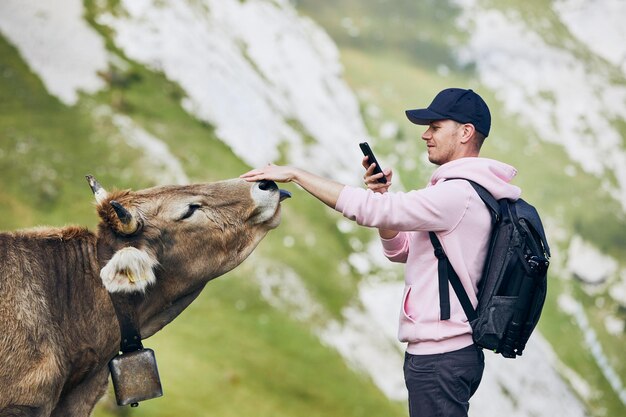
423	116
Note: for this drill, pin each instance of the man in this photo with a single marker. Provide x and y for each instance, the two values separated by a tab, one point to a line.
442	366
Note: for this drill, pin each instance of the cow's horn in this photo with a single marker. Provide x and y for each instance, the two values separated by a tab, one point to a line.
99	192
129	223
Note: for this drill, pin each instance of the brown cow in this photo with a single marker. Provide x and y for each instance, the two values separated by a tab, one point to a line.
157	247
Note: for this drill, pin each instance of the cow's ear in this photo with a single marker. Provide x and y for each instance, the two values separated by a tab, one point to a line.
129	270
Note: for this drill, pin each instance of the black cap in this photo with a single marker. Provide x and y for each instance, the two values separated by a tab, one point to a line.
458	104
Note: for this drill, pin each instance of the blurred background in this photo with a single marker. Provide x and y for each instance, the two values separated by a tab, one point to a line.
147	92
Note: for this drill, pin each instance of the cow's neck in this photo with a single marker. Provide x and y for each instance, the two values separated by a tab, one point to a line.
77	300
161	306
77	294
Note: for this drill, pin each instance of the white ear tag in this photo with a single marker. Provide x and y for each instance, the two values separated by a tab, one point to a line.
129	270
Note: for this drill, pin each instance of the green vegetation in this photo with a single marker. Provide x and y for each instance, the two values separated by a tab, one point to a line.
419	30
230	354
46	149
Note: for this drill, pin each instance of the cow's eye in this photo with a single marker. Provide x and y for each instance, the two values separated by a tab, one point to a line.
190	210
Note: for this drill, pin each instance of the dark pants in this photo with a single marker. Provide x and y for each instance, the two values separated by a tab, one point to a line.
441	385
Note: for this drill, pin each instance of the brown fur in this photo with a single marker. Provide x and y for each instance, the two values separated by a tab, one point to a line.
58	329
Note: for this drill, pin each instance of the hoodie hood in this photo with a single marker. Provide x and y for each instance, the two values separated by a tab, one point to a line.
494	175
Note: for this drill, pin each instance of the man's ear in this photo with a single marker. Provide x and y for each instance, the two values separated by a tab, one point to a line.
129	270
468	132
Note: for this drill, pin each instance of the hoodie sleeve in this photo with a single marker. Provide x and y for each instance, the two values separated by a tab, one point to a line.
396	249
437	208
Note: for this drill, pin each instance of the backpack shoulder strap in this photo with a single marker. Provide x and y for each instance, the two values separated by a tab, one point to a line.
447	274
444	268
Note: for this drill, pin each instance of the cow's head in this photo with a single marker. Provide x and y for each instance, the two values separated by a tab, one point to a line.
185	235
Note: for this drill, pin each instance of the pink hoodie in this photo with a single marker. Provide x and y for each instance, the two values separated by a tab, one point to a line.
461	220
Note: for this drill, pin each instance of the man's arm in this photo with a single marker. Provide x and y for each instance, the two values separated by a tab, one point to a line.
372	183
325	190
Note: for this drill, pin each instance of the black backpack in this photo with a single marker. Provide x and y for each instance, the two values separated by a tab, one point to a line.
513	287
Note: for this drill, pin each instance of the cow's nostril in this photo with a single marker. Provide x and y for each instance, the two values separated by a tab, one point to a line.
267	185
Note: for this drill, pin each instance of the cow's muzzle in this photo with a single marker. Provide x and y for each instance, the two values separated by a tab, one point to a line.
268	185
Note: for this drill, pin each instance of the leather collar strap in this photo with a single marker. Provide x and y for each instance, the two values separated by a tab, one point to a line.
127	319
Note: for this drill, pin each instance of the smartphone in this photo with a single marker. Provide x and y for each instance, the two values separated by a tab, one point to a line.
367	151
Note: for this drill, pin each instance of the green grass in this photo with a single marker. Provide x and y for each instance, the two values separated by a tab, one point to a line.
46	149
411	27
597	308
230	354
561	330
